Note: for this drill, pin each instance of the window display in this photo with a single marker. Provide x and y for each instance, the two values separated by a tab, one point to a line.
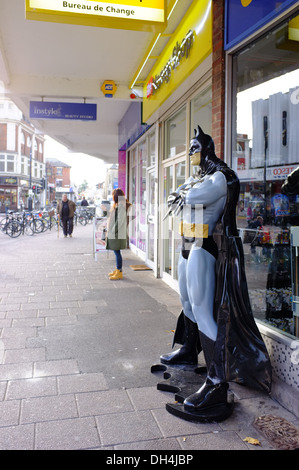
266	151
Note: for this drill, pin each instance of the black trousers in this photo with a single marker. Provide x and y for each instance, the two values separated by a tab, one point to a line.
68	225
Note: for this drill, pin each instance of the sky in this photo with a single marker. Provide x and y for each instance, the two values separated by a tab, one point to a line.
83	167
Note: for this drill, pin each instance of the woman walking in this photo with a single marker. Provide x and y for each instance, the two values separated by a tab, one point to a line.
117	230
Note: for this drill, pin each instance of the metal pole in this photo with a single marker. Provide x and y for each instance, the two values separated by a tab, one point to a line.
30	182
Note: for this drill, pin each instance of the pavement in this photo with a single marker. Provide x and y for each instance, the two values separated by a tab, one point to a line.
76	351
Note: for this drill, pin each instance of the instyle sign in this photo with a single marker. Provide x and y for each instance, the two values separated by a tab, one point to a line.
244	17
54	110
130	14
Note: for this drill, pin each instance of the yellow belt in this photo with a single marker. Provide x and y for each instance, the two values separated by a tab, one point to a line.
194	230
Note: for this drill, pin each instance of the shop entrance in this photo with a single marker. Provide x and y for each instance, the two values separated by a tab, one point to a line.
174	175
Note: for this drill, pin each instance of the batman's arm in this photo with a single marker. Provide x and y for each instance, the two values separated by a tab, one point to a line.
209	191
177	198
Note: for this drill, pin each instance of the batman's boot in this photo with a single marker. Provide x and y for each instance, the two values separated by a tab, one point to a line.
207	345
210	395
188	353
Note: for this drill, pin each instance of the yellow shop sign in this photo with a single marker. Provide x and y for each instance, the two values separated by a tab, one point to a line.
190	45
123	14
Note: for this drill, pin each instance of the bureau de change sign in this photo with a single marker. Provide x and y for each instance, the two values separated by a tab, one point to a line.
57	110
122	14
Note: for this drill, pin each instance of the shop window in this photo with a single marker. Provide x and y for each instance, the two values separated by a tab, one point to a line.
2	163
142	158
201	114
10	164
265	142
176	134
133	195
152	149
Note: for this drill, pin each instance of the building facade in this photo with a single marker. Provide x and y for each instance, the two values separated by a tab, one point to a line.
233	70
58	180
21	159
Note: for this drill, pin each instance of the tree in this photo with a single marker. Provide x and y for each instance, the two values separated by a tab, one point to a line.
82	187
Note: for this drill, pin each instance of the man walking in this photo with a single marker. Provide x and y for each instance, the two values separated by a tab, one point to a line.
66	210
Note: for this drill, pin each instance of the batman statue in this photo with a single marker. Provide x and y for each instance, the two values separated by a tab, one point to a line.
216	312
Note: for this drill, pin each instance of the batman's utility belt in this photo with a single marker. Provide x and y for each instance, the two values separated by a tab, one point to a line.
194	230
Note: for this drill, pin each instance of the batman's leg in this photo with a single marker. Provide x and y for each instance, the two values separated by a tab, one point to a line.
188	353
183	288
201	288
200	275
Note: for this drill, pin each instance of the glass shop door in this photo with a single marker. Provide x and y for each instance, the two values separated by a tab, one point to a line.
174	175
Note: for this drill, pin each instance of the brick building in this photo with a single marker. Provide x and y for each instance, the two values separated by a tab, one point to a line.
21	159
58	179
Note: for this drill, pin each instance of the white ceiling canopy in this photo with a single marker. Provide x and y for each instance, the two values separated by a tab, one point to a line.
69	63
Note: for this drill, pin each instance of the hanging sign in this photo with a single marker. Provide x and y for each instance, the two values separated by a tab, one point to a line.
123	14
54	110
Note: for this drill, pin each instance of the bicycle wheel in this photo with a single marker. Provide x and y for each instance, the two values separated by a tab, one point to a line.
37	225
46	223
53	223
28	230
83	220
13	229
3	223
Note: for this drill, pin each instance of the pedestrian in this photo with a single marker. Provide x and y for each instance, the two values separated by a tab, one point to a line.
117	230
7	204
66	210
84	202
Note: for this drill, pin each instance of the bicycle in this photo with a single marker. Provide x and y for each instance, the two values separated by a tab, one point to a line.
22	223
10	226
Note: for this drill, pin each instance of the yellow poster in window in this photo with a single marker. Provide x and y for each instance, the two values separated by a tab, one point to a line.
123	14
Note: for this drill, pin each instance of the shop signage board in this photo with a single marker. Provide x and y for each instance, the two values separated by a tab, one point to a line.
188	47
143	15
272	173
8	180
60	110
244	17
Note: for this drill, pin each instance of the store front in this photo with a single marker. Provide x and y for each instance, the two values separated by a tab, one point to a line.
265	150
262	146
177	98
178	129
8	194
